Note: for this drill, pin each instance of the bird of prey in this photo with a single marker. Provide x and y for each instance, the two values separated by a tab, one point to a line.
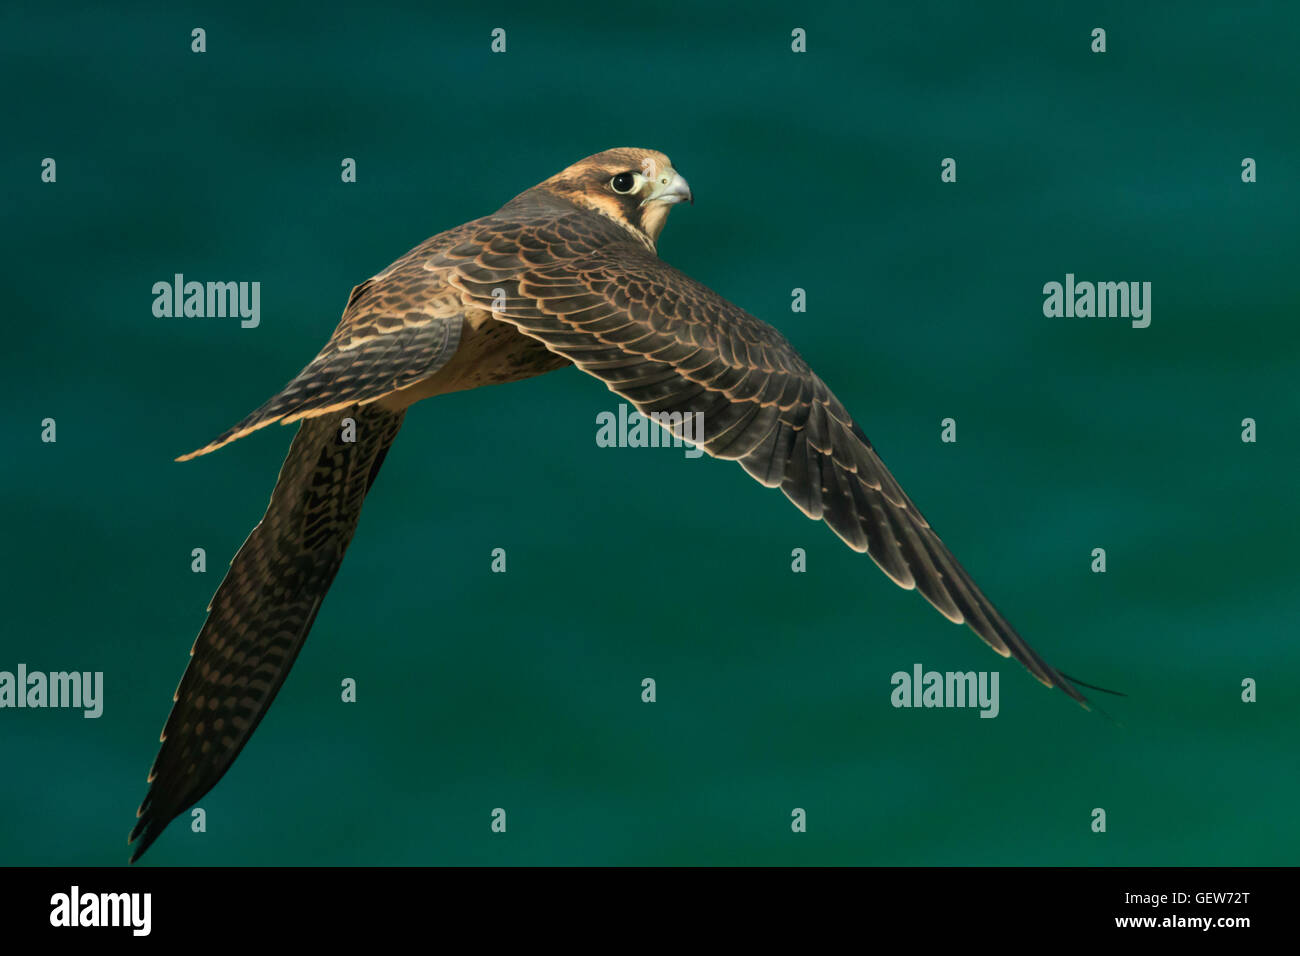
565	273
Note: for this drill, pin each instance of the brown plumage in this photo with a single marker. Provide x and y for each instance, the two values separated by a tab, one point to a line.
566	272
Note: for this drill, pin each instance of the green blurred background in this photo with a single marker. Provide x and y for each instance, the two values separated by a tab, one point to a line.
522	690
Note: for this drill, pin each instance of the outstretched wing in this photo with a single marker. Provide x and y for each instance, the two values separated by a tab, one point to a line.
398	328
261	614
668	344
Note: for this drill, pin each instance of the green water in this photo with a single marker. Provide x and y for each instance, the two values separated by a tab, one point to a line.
522	691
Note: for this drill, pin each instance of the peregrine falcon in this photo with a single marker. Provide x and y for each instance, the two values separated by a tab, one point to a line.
565	273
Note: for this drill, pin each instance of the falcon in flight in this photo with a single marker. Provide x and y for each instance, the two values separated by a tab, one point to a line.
564	273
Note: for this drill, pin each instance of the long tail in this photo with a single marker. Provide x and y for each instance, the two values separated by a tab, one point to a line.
262	611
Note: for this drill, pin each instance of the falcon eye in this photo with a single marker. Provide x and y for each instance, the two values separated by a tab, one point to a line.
623	183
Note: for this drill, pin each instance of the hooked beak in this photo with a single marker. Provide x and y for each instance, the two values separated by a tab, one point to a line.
669	188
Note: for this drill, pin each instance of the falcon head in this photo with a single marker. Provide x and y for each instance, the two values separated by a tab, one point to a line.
634	187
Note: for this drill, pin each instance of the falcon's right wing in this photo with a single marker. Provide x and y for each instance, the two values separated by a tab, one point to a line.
669	344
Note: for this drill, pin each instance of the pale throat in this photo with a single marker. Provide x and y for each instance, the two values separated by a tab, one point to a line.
650	222
653	218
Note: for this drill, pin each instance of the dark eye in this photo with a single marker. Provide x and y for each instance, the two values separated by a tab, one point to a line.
623	182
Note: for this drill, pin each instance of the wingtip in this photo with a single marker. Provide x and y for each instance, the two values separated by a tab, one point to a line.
138	842
198	452
246	427
145	833
207	449
1104	690
1066	686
